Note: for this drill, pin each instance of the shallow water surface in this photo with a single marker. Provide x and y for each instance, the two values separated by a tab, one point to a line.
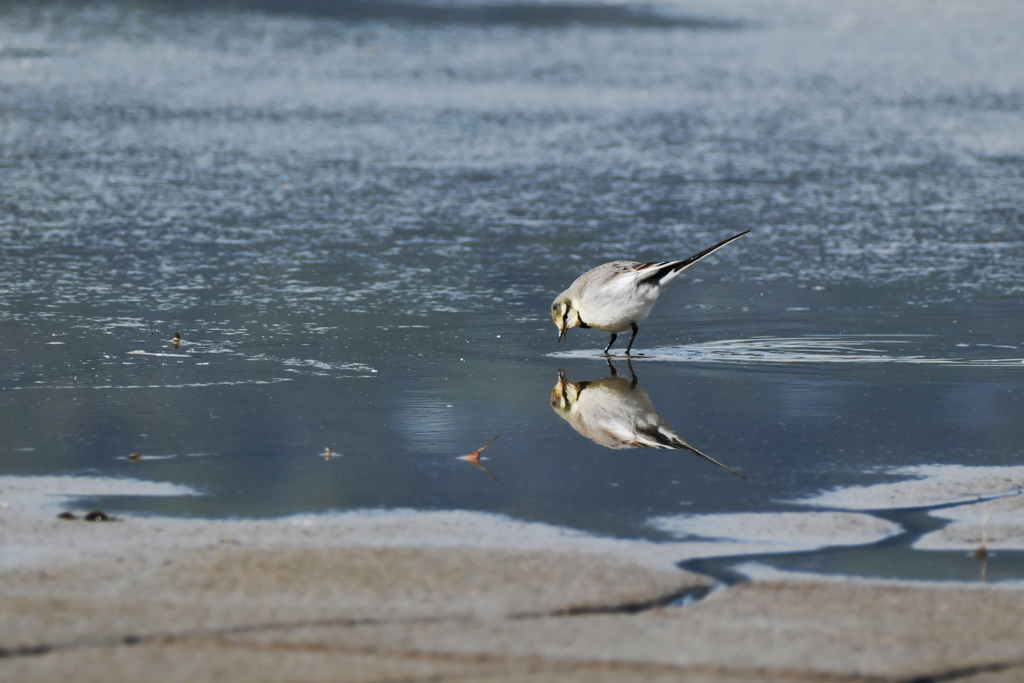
356	225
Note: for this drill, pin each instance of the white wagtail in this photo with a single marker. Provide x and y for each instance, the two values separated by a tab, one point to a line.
616	413
616	296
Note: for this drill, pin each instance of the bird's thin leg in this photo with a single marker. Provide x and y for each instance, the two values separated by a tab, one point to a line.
629	364
610	342
630	345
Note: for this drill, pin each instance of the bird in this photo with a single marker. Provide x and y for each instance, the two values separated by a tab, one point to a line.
619	295
615	412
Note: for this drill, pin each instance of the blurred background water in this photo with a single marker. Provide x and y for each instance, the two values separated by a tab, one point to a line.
356	215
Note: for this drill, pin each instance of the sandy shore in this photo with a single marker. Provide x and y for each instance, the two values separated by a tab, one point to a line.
415	596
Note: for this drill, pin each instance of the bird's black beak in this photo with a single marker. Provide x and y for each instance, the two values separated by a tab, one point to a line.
561	334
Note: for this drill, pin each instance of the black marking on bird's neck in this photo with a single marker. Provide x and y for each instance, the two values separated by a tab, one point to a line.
579	318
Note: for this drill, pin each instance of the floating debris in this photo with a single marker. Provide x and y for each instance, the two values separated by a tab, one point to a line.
91	516
981	553
328	454
176	341
135	456
474	457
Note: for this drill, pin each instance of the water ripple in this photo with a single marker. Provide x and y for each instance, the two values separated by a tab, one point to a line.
821	349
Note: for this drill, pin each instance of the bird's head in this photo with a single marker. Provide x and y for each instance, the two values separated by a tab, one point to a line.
565	393
564	315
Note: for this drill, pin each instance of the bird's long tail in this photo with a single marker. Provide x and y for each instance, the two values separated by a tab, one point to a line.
668	270
688	447
662	437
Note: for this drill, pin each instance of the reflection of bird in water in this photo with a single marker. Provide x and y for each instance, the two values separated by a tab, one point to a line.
617	296
616	413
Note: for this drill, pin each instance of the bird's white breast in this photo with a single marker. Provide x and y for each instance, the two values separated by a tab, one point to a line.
609	299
